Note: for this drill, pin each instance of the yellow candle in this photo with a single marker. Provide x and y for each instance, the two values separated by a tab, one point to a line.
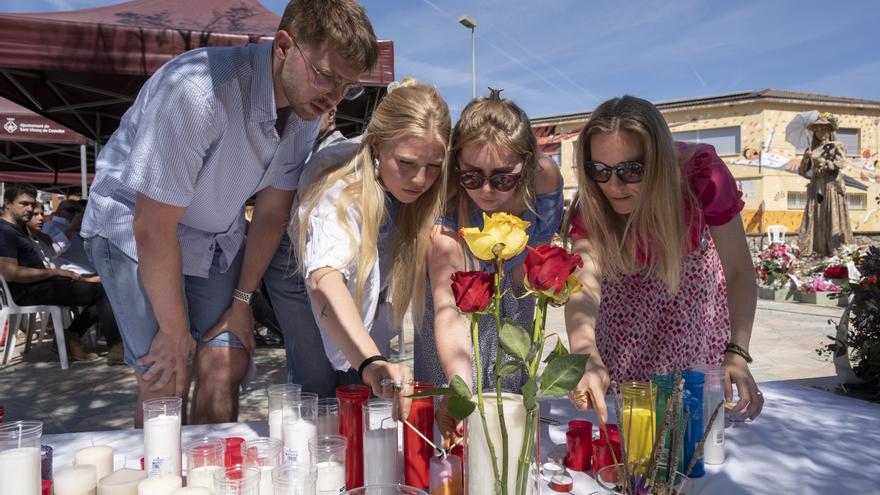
100	456
122	482
638	429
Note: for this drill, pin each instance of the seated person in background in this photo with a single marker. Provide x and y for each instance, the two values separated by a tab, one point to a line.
42	242
64	229
31	283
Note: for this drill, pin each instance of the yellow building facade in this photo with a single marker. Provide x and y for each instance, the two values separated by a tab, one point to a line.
734	123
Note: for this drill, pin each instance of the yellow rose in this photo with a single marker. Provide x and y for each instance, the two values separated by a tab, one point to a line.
504	230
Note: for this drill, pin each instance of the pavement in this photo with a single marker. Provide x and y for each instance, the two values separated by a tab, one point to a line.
94	396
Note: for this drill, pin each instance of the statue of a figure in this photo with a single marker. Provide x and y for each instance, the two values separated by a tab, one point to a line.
826	217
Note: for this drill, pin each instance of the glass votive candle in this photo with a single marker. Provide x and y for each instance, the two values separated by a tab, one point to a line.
20	456
380	443
233	451
162	435
580	449
204	457
295	478
328	454
277	393
264	453
300	416
237	480
328	416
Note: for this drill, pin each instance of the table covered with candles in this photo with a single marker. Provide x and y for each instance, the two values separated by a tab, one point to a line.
806	441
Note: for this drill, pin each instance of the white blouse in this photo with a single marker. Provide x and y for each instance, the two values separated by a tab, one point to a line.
328	245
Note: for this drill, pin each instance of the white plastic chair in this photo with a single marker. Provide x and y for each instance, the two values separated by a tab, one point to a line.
776	234
11	312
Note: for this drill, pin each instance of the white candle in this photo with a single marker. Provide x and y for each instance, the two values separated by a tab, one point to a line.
100	456
122	482
163	484
331	478
478	458
202	476
189	490
20	471
266	486
275	424
77	480
297	435
162	445
380	456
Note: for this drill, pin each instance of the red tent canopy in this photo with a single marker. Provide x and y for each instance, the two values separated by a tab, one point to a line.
83	68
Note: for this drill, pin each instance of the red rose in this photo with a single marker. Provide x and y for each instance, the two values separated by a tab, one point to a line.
836	271
548	268
472	290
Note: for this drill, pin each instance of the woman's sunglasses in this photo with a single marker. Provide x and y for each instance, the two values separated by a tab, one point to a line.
499	182
628	172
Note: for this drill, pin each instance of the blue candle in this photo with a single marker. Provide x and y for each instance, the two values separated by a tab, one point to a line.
693	401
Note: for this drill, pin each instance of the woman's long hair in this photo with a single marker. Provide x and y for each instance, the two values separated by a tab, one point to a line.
503	126
412	109
655	236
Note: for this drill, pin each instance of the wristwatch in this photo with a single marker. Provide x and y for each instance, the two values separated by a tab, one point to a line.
244	297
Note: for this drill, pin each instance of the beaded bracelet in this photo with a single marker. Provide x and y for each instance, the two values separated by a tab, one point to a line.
731	347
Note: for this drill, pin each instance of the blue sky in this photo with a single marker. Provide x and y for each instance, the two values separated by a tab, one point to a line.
568	55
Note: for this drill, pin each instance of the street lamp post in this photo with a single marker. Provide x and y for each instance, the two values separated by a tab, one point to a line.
471	23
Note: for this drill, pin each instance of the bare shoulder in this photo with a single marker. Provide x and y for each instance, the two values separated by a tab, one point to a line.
445	254
549	178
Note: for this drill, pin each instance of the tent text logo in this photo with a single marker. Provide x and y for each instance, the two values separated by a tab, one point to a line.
10	125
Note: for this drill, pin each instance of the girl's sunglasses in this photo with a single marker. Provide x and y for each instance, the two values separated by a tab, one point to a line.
627	172
499	182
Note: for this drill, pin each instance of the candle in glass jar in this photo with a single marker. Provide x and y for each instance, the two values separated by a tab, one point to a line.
162	445
162	436
331	478
76	480
100	456
20	471
380	443
122	482
161	484
202	476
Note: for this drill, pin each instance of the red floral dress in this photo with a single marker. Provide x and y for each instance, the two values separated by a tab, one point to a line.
642	330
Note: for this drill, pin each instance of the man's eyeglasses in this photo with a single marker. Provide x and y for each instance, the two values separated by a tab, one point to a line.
630	172
325	78
499	182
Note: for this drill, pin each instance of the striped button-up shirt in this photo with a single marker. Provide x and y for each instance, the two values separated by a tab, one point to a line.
200	135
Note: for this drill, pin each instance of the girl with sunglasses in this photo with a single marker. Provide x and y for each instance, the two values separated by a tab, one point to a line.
668	280
364	226
495	166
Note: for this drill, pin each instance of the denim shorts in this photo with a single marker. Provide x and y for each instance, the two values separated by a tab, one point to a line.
206	299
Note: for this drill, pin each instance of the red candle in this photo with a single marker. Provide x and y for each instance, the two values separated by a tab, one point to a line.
233	455
580	449
602	449
416	451
350	416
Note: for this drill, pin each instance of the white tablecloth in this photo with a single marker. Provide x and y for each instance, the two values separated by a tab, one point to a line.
805	442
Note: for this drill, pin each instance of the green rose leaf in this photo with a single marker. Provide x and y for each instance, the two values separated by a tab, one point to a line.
514	340
510	368
558	351
530	395
461	407
563	374
460	388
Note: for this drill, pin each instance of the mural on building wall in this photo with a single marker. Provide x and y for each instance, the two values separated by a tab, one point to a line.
825	224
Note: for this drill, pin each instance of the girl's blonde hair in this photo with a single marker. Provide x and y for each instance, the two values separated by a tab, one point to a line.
655	236
412	109
504	127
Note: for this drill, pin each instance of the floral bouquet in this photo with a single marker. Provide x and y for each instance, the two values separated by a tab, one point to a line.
817	284
774	265
550	279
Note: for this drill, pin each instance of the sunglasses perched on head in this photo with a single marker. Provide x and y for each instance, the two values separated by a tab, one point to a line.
630	172
499	182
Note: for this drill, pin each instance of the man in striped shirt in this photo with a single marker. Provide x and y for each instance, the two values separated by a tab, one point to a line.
165	222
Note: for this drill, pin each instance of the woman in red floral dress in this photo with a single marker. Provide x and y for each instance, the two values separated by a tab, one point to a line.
668	278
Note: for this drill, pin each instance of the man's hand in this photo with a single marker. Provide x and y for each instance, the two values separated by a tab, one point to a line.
169	356
239	320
